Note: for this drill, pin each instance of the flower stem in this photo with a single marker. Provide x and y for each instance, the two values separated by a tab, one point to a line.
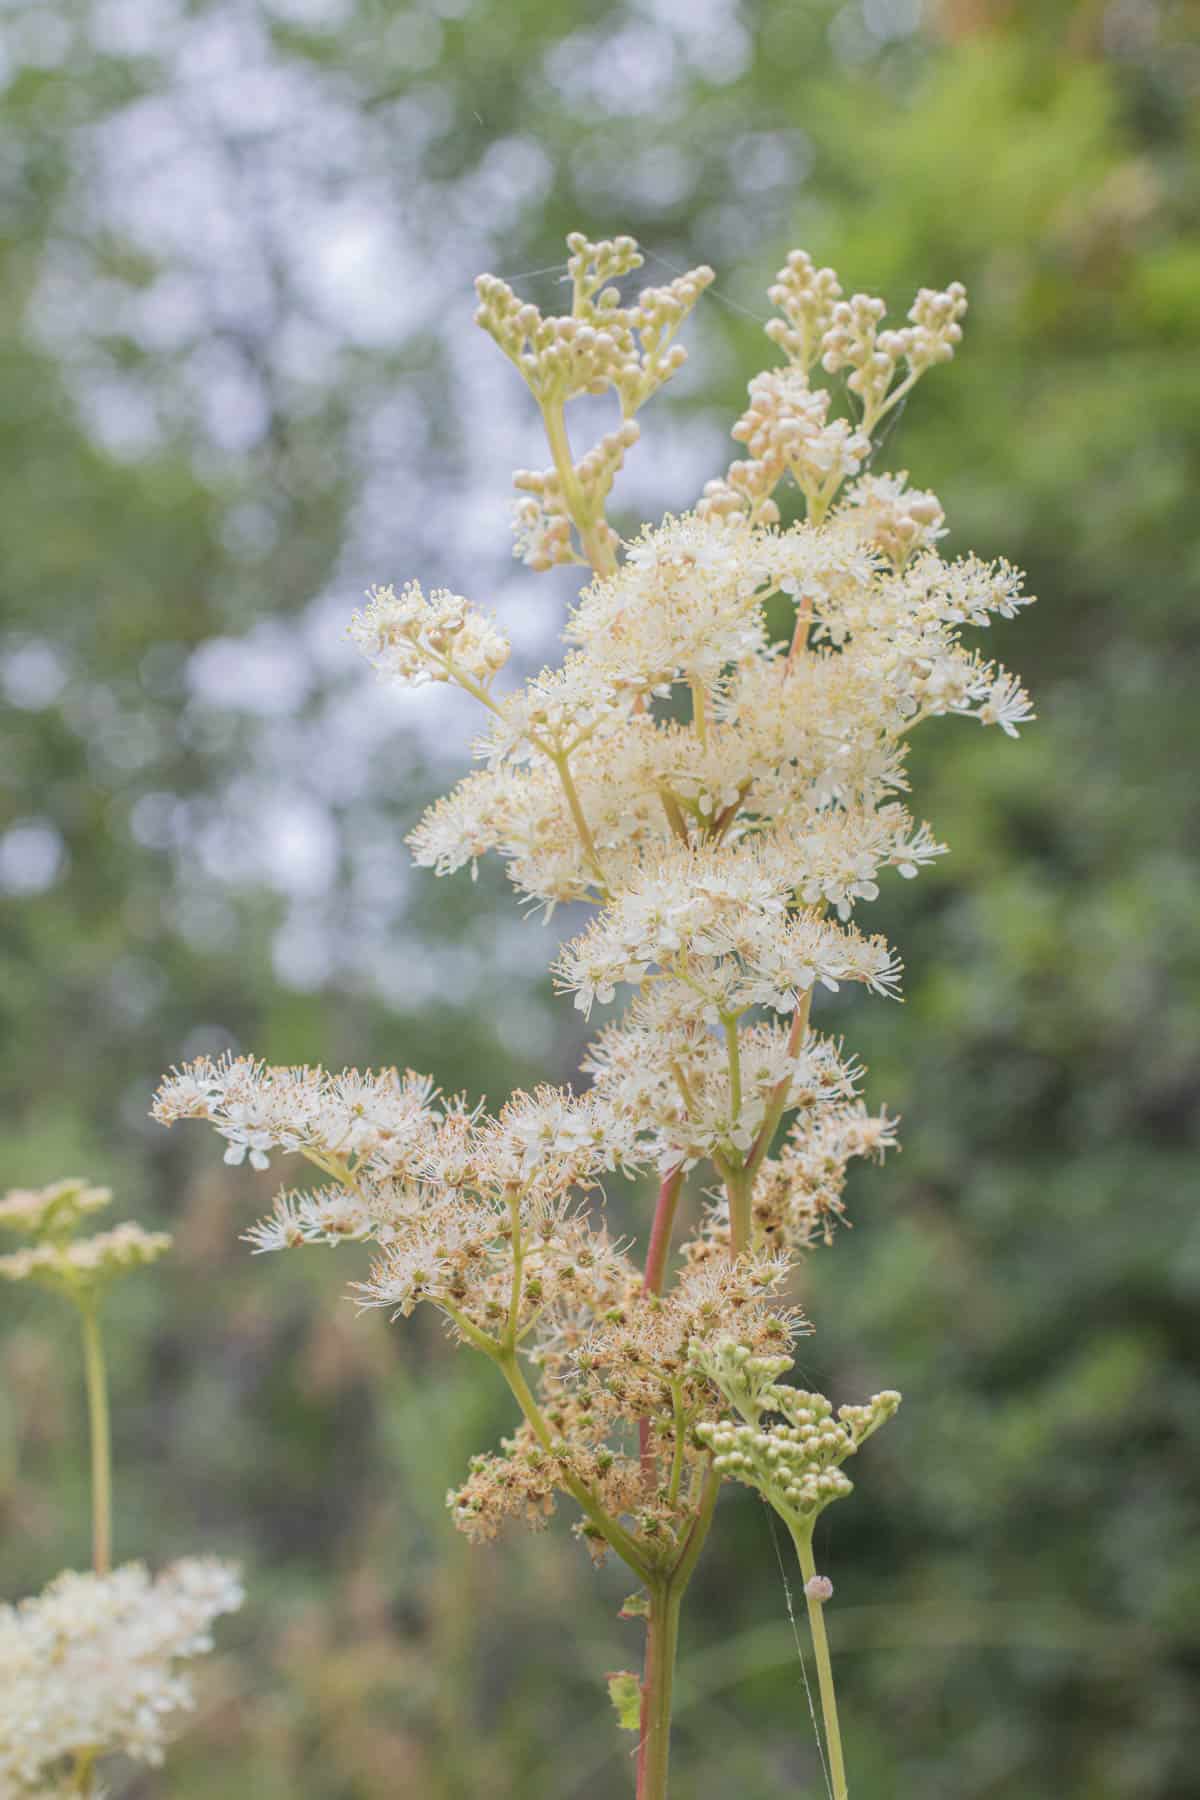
802	1536
662	1639
660	1232
85	1761
778	1101
652	1283
733	1051
571	792
101	1438
739	1184
592	537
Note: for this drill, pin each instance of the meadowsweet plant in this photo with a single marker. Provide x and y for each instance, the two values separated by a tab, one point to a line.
93	1665
723	796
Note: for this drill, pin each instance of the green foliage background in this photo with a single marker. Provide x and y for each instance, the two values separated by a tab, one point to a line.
1018	1575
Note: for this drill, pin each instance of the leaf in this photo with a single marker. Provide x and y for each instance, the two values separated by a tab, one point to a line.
625	1692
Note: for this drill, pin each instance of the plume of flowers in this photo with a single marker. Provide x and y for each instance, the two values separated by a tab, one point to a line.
725	798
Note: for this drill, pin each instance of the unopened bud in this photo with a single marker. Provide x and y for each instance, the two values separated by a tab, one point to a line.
819	1588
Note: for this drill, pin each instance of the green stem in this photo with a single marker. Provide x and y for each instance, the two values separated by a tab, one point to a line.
675	818
101	1438
518	1259
596	547
778	1100
578	815
733	1052
739	1184
680	1424
694	1542
802	1536
700	711
662	1640
85	1762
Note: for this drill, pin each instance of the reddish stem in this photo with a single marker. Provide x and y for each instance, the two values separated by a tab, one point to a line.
652	1283
800	634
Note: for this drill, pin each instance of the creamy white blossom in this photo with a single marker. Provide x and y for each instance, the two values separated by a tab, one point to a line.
92	1665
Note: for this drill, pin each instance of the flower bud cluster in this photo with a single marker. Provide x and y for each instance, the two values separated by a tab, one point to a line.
600	344
85	1264
794	1462
806	296
91	1665
787	430
854	341
59	1261
786	427
415	640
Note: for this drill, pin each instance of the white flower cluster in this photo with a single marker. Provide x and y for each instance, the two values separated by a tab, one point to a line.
438	1187
666	1078
415	640
588	779
720	924
349	1120
90	1666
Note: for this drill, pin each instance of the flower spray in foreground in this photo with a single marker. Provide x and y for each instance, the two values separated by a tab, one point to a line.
724	798
91	1667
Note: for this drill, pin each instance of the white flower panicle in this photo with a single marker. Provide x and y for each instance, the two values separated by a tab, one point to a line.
92	1665
717	771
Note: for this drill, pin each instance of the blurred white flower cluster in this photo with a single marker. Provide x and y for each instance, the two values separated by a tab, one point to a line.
91	1666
